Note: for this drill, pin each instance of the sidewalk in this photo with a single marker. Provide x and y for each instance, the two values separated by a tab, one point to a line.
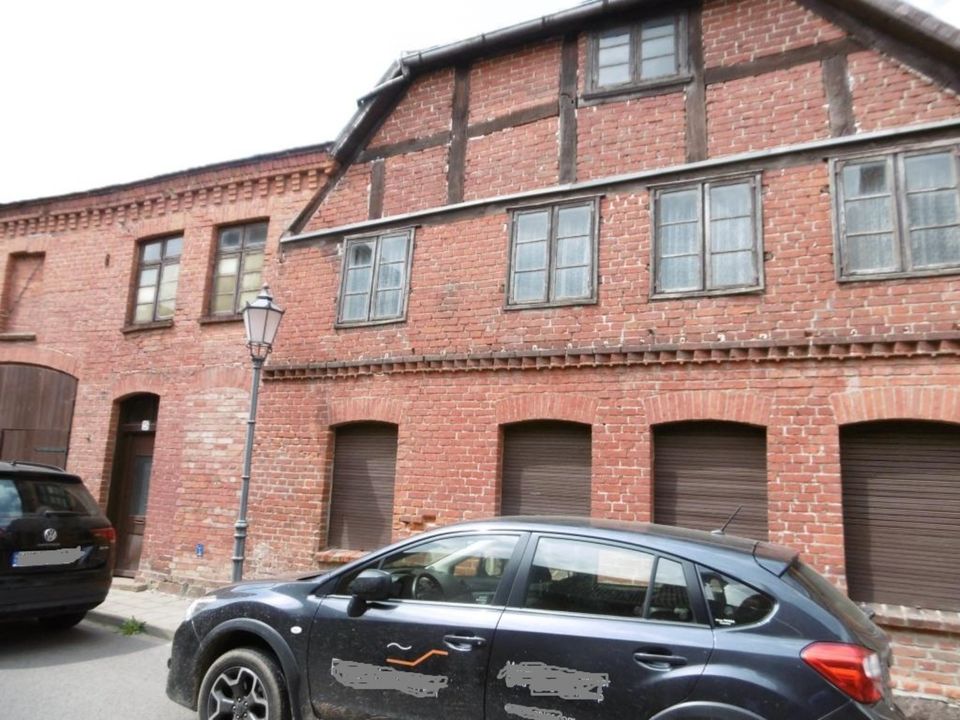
162	612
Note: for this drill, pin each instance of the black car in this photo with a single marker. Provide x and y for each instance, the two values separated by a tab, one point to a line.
540	619
56	546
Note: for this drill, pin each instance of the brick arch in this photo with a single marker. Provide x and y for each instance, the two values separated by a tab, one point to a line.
341	412
138	384
44	358
743	407
547	406
897	403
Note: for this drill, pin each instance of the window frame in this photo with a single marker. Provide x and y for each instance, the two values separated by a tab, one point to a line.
755	180
160	264
894	160
593	202
377	237
237	312
592	86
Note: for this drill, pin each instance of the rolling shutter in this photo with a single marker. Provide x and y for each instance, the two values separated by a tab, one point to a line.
704	470
361	504
901	512
546	469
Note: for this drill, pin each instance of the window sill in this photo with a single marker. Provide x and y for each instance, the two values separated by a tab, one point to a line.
662	86
753	290
368	323
933	272
146	327
18	337
910	618
219	319
549	305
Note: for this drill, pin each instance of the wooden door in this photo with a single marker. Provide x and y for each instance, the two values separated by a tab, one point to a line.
136	463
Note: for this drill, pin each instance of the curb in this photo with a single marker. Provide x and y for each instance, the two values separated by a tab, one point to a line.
115	621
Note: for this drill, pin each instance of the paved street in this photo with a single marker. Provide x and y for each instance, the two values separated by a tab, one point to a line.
90	672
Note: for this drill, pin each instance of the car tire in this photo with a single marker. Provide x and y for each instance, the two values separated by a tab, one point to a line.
248	678
61	622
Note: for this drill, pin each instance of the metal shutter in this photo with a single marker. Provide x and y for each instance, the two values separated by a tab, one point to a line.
546	469
901	512
704	470
361	504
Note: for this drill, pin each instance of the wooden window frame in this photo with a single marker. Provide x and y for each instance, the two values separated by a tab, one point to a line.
160	264
636	83
241	254
703	215
374	276
553	208
901	232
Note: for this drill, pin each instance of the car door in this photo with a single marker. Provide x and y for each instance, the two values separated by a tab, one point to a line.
424	653
596	630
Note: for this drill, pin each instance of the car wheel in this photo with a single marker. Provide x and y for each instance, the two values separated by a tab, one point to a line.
61	622
243	684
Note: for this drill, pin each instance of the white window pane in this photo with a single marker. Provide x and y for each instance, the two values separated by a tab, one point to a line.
359	280
871	253
678	206
940	246
573	221
938	207
168	291
531	226
868	216
930	171
571	283
228	265
143	313
614	55
246	297
152	251
146	295
173	248
612	39
223	304
231	238
730	201
681	239
732	234
250	281
679	273
660	27
354	308
165	310
225	285
256	235
573	251
390	277
252	261
732	269
387	304
531	256
170	273
530	286
658	67
865	179
658	48
149	276
393	248
360	254
613	75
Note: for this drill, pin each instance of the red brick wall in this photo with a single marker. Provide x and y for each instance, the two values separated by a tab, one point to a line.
423	110
507	83
512	160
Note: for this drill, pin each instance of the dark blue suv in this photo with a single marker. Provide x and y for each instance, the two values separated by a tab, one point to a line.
540	619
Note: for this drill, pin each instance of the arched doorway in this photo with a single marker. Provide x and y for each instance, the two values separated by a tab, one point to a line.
130	484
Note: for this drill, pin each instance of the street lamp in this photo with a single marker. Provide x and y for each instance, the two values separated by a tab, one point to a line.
261	318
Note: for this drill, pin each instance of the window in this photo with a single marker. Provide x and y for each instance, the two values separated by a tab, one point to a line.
707	237
731	602
374	283
647	52
553	255
597	579
239	267
157	279
899	214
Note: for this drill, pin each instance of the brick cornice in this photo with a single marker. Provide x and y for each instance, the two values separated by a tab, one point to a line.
817	349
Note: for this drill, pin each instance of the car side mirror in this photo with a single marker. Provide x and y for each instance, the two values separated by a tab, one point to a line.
371	585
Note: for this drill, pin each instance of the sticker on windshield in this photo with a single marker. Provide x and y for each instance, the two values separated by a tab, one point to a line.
552	681
534	713
363	676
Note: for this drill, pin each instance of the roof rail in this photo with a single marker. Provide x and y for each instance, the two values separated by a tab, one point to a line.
18	463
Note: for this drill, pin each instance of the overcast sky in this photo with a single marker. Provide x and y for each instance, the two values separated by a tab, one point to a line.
100	92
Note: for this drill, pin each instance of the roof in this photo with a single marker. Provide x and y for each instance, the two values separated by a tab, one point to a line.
20	468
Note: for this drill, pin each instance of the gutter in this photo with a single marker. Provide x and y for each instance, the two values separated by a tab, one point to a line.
612	180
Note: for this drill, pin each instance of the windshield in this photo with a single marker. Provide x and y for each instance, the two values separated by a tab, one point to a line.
25	497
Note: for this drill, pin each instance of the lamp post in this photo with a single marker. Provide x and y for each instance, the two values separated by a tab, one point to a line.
261	319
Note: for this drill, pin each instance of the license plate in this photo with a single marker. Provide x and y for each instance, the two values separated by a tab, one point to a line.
35	558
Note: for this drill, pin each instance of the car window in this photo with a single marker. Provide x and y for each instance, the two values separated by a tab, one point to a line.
732	602
599	579
461	568
35	497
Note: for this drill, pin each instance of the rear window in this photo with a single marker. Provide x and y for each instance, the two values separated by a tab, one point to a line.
731	602
21	498
821	591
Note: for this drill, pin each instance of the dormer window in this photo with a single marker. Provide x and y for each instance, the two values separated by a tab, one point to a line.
645	53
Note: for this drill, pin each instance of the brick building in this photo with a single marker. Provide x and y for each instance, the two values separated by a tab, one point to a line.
635	259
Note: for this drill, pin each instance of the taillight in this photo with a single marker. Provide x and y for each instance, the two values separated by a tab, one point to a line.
107	534
853	669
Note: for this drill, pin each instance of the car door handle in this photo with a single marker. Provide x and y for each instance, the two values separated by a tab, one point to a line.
463	643
659	661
